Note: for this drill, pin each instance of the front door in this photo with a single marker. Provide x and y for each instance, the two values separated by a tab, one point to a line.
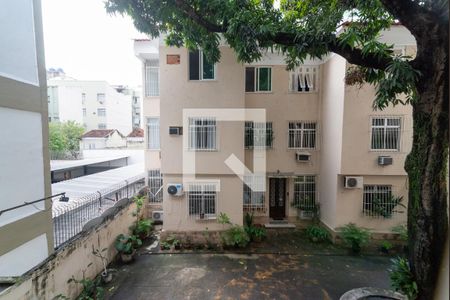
277	190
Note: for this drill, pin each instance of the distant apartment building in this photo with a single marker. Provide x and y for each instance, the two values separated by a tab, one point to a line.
136	103
93	104
323	143
26	233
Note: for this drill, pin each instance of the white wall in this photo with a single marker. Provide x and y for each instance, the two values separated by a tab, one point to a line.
24	257
18	44
69	102
331	141
21	163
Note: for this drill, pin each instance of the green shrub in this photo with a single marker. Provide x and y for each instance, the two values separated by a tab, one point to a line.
318	234
255	233
91	288
402	278
235	236
143	228
248	220
224	219
126	244
386	246
355	237
402	231
169	242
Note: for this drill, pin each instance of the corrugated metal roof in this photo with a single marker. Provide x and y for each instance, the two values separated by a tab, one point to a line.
57	165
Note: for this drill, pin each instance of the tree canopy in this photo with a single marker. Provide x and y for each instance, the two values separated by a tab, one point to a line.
350	28
65	136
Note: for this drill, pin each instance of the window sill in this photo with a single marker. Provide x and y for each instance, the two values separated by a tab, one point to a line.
260	92
203	150
205	219
297	93
385	150
202	80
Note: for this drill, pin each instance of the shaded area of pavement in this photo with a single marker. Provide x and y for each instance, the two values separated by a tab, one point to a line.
241	276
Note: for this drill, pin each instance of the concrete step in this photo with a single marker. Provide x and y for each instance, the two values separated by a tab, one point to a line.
279	225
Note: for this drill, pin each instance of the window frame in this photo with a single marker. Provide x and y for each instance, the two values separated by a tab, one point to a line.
101	126
302	131
155	183
101	99
152	64
388	192
254	196
156	129
306	184
202	192
103	110
256	79
200	67
268	128
192	130
385	126
315	78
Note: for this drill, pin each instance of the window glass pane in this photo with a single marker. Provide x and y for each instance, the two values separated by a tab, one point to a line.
153	133
264	79
194	65
249	79
208	69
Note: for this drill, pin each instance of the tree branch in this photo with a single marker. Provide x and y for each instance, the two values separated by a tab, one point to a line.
190	12
352	55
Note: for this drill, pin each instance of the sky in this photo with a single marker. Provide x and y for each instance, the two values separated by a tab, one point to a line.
88	44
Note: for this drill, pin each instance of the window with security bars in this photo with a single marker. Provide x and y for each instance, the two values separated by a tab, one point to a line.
101	126
302	135
199	66
202	133
385	133
202	200
379	201
155	186
101	112
254	193
258	79
151	78
258	135
305	192
153	137
303	79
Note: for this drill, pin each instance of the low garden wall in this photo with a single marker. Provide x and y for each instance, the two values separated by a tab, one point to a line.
50	278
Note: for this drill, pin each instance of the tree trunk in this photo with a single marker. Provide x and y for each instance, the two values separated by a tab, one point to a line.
426	166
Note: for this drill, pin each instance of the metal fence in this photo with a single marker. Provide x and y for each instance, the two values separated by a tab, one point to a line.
69	220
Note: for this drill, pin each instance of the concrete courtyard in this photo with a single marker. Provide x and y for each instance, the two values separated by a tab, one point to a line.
246	276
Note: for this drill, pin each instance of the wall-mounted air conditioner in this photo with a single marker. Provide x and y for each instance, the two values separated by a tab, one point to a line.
302	156
157	216
175	130
175	189
385	160
353	182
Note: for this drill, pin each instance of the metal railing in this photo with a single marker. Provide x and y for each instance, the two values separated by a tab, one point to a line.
70	220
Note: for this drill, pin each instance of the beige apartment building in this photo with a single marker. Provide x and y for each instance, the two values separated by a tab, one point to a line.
26	231
319	143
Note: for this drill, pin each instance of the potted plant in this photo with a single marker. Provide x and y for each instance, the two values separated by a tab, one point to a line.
386	246
106	276
142	228
126	245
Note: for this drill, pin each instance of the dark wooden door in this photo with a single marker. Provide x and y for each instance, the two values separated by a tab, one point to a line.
277	190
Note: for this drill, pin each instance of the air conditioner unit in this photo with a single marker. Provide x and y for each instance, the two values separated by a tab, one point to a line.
384	160
175	189
175	130
353	182
157	215
302	156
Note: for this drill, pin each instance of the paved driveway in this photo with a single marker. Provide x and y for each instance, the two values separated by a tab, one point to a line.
240	276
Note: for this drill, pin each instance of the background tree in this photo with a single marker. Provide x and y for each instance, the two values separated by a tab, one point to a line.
309	27
65	137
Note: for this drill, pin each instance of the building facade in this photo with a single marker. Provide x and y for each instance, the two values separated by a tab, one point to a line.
93	104
26	233
320	141
102	139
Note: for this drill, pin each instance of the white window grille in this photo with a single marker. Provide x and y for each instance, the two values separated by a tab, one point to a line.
302	135
155	186
305	192
83	98
101	126
378	201
153	136
202	200
101	112
254	195
152	77
258	79
202	133
386	133
258	135
84	112
199	66
101	98
304	79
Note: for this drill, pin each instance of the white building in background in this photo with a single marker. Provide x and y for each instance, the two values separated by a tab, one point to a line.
93	104
102	139
136	103
26	233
